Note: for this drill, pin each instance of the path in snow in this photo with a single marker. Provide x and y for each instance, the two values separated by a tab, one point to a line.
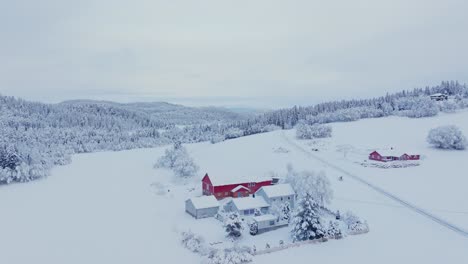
406	204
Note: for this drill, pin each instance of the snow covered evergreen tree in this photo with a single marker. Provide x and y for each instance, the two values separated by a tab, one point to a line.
233	225
306	222
447	137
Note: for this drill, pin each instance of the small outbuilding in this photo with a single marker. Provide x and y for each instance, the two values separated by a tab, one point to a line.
202	207
264	223
439	97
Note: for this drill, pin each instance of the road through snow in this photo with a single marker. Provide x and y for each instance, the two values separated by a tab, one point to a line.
395	198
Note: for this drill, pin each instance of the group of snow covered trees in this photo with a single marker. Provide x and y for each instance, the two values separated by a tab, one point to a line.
305	131
447	137
178	160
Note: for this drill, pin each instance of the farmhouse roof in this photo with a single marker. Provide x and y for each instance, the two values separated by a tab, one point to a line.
250	203
221	181
278	190
204	202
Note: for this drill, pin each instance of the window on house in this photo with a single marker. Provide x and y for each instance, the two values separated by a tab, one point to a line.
272	222
289	198
246	212
281	198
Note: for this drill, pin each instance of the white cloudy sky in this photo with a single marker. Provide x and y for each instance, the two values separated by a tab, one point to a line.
239	52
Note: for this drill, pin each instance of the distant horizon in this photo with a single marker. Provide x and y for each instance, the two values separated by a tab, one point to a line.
229	102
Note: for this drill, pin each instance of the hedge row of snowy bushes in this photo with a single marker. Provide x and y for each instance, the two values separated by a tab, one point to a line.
196	244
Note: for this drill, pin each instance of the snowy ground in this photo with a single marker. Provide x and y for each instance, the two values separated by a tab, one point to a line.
108	208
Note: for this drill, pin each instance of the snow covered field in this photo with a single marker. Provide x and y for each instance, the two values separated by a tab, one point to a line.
113	207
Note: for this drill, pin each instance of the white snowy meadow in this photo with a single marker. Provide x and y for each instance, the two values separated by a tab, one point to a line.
118	206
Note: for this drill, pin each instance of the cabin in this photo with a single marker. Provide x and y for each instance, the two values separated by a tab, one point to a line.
222	189
439	97
247	206
202	207
392	157
279	193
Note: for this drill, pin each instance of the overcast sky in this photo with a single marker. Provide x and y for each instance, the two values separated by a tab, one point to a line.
244	52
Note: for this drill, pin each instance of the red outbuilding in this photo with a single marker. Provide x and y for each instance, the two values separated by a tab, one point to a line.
384	158
223	189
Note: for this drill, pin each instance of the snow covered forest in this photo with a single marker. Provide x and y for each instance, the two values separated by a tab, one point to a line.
35	137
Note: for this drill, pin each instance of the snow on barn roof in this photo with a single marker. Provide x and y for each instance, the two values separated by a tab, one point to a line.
393	153
250	203
265	218
437	94
221	181
239	188
278	190
204	202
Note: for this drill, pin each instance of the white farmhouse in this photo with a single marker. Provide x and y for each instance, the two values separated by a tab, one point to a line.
278	194
202	207
246	206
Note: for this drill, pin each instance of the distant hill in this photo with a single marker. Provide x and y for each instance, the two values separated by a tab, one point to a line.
173	114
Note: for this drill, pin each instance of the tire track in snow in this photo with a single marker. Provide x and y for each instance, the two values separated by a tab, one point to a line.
393	197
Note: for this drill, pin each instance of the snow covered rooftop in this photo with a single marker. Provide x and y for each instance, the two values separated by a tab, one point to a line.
204	202
240	187
394	152
265	218
250	203
223	180
278	190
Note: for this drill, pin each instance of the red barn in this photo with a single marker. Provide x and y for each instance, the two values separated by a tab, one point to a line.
378	157
223	189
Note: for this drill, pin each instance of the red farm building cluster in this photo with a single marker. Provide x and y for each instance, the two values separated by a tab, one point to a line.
222	190
385	158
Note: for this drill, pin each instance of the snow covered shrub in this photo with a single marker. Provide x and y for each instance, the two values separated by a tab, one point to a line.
304	131
448	106
306	223
334	230
193	242
217	138
235	255
416	107
355	224
233	132
233	225
178	159
281	210
447	137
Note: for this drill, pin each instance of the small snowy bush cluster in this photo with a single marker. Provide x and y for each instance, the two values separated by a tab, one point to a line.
304	131
447	137
194	243
235	255
334	230
355	224
178	159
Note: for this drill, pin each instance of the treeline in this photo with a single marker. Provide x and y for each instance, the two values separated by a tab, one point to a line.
34	137
414	103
